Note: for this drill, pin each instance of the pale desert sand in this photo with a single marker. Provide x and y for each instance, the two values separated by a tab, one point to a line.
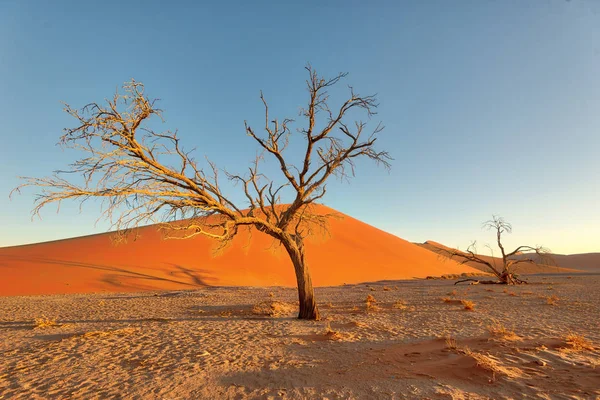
219	343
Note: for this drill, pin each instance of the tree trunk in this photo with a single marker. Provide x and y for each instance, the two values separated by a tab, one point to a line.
306	293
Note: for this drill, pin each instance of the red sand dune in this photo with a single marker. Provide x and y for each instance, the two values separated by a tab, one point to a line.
552	265
355	252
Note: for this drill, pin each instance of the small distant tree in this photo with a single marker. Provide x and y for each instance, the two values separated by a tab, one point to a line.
506	273
146	176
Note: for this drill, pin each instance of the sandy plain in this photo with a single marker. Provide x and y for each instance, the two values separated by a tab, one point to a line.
414	340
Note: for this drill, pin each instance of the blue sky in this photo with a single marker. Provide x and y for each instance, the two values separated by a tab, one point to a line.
490	107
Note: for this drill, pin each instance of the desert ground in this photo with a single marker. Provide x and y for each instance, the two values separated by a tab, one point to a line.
387	340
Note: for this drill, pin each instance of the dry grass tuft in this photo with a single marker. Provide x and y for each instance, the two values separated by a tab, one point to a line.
273	308
331	334
386	289
451	344
400	305
552	300
452	293
498	330
577	343
43	323
469	305
493	365
371	303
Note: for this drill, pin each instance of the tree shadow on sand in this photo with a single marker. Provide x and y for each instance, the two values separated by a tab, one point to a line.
127	278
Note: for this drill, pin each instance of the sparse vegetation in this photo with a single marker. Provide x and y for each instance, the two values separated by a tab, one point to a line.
400	305
577	343
552	300
505	273
499	331
44	322
451	344
371	303
491	364
273	308
331	334
469	305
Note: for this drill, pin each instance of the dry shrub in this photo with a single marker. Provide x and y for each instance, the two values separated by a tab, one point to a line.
552	300
386	289
451	344
273	308
371	303
43	323
370	299
577	343
512	294
331	334
271	294
452	293
469	305
489	290
400	305
498	330
490	364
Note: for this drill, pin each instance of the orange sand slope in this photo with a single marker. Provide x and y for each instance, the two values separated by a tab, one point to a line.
553	265
355	252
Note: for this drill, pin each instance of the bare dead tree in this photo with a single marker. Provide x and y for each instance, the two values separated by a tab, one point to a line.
506	273
144	176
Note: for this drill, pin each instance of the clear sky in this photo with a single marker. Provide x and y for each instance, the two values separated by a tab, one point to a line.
490	107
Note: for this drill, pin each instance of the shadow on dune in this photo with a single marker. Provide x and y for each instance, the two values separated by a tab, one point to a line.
125	277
